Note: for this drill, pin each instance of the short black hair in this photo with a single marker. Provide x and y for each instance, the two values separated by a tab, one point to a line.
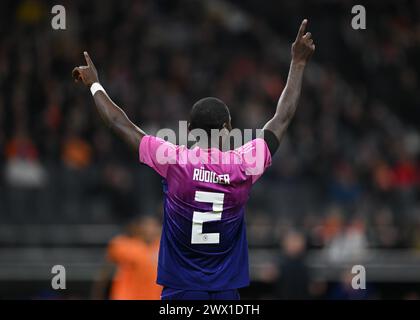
209	113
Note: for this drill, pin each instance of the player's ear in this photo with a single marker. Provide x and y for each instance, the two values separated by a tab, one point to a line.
228	126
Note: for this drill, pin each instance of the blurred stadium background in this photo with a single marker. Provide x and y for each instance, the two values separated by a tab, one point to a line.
343	190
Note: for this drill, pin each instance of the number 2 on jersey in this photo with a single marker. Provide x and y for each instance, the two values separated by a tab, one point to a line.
197	235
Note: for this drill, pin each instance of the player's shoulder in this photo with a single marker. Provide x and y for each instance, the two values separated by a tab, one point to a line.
256	145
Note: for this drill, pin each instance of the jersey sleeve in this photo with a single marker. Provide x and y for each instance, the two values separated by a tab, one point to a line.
255	158
157	154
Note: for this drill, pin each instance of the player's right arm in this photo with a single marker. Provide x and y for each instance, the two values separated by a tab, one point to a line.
302	49
113	116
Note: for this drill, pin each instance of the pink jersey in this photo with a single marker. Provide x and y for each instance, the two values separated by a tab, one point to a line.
203	244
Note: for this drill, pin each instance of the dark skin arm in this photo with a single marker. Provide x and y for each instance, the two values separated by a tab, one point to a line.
302	50
113	116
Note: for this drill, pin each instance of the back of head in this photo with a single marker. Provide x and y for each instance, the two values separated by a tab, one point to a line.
209	113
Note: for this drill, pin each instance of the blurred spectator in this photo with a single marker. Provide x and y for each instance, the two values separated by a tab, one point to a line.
135	256
352	147
77	153
117	185
332	225
412	296
350	143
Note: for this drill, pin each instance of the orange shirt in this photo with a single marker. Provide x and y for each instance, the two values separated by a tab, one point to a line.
136	269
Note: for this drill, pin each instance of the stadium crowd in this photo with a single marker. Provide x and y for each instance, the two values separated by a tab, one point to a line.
347	168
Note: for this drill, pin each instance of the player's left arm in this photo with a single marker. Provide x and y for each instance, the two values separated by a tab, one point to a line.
302	50
113	116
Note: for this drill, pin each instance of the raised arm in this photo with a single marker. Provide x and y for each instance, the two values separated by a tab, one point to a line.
113	116
302	49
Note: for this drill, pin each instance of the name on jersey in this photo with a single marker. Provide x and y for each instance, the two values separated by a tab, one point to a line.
202	175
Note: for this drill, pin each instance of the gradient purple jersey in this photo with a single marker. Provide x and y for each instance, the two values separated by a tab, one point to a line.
203	244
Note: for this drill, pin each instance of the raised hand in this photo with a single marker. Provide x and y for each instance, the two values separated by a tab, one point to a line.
303	47
87	74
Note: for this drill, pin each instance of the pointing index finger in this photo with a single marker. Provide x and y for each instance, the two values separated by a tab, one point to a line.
88	60
302	28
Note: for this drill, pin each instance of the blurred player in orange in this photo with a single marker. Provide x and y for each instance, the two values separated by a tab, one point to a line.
135	255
